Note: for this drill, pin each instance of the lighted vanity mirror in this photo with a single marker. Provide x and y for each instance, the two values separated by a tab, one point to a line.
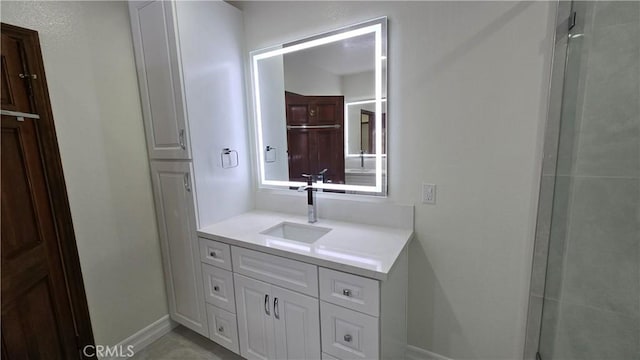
320	103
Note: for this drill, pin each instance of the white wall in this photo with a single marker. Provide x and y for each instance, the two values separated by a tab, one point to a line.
274	117
304	78
90	70
467	95
359	86
211	51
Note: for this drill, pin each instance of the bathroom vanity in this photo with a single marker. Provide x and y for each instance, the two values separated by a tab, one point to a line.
277	288
262	283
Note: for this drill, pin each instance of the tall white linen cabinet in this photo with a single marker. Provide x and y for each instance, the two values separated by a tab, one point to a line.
190	71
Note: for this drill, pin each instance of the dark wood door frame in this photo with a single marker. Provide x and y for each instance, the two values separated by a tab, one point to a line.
55	182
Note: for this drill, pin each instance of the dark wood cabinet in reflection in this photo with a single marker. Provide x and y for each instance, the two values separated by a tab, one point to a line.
315	136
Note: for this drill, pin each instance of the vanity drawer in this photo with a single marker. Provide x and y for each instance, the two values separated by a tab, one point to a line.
290	274
351	291
348	334
218	287
215	253
223	328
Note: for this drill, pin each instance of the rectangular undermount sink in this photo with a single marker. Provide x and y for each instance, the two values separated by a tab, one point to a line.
297	232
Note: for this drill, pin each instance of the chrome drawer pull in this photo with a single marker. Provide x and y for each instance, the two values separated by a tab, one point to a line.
347	338
213	254
276	313
346	292
216	288
266	304
221	329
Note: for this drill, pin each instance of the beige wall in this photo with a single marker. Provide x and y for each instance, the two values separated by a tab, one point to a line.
90	70
467	102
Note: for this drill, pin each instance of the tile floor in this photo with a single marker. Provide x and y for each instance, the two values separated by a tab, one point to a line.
184	344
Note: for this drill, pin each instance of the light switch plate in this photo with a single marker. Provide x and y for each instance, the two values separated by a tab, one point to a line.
428	193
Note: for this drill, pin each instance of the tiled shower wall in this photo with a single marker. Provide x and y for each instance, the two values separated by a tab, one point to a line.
588	241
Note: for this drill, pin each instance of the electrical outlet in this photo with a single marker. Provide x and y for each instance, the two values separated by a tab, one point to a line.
428	193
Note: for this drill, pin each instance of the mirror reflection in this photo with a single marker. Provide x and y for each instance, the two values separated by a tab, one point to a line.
360	131
320	103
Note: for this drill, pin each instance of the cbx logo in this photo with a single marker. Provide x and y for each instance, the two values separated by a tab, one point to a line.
103	351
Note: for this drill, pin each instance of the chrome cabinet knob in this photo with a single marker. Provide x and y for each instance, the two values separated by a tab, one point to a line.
346	292
213	254
347	338
216	288
221	329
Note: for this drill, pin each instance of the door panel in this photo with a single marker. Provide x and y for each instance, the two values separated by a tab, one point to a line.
33	311
328	158
15	96
297	325
22	235
297	114
298	149
175	211
36	311
330	110
159	79
255	321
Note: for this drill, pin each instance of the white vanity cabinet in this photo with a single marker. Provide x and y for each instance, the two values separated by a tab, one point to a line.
290	309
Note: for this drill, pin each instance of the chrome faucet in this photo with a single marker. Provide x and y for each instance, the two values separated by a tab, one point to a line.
312	210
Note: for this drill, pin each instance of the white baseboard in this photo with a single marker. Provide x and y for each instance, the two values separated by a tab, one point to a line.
416	353
147	335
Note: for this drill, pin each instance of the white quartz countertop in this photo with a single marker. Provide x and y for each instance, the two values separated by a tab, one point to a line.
360	249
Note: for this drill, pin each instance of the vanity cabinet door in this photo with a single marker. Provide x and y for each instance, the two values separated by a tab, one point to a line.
172	183
296	320
158	66
255	318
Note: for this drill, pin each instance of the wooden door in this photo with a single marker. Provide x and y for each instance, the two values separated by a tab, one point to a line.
297	325
156	51
44	309
315	136
255	320
175	211
368	132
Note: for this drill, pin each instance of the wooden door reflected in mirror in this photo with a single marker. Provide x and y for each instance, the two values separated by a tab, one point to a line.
368	132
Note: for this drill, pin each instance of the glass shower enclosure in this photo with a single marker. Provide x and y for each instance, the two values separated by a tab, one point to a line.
585	284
